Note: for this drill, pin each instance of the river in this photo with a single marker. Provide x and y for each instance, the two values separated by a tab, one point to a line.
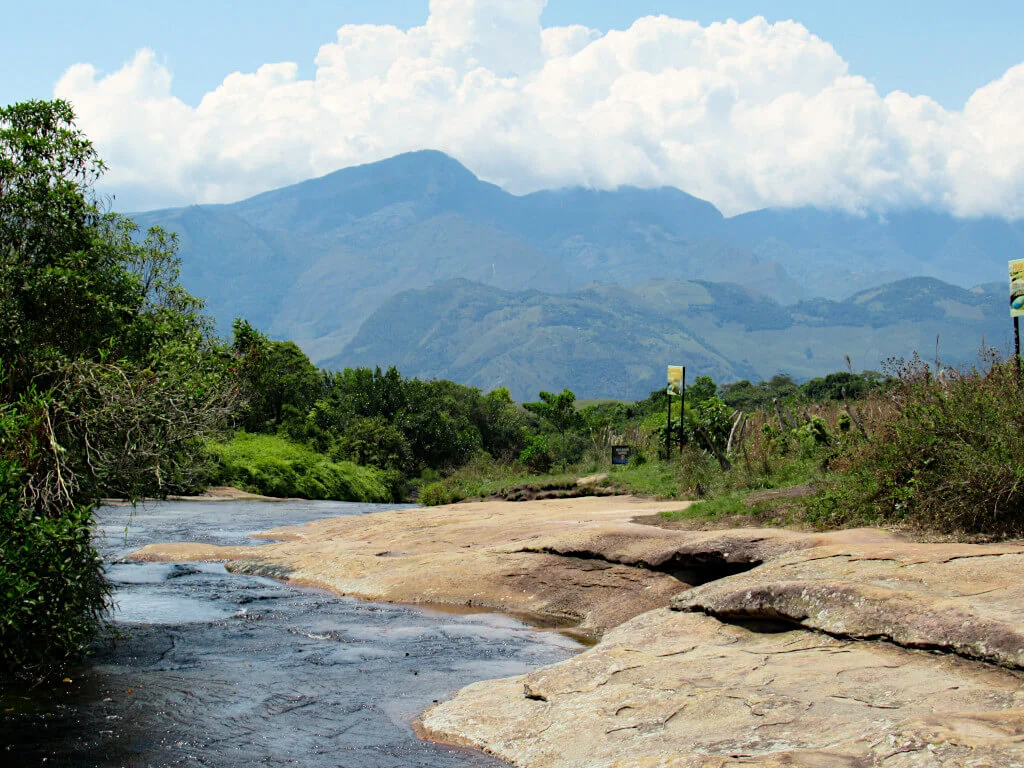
218	669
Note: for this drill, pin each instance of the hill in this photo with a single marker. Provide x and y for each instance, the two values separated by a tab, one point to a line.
608	341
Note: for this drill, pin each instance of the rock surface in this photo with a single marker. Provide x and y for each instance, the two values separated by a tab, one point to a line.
966	599
481	555
847	649
685	690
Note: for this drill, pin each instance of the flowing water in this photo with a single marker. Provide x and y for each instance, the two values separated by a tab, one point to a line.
218	669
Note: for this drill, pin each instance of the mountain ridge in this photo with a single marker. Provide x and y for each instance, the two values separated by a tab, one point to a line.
314	260
608	341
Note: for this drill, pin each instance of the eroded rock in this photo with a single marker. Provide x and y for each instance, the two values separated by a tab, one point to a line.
845	649
964	599
477	555
680	690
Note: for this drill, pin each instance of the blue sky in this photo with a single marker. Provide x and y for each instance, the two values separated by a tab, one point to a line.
867	106
943	49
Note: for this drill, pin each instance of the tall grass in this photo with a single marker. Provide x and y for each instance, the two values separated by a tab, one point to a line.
946	454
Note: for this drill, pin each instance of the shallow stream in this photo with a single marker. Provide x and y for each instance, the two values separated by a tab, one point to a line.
218	669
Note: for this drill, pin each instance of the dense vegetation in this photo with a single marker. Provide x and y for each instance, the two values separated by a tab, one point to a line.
111	381
926	447
400	429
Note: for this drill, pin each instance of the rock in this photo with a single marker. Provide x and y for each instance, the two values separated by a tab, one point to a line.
961	598
842	650
592	479
477	555
677	690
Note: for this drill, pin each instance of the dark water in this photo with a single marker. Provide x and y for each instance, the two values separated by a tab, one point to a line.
218	669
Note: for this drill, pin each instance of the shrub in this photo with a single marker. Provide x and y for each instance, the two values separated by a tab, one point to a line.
51	582
537	454
439	494
274	466
950	458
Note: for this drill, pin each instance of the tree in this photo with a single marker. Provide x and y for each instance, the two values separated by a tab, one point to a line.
279	381
111	380
501	425
702	389
559	412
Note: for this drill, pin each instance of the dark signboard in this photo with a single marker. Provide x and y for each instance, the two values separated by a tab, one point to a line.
620	454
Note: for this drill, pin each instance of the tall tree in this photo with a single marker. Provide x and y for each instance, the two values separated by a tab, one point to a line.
111	379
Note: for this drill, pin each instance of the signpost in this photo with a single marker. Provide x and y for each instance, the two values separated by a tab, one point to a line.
1017	305
676	388
620	455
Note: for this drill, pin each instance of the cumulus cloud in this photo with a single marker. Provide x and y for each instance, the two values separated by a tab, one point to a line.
746	115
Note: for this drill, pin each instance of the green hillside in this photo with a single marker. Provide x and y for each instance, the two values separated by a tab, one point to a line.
609	341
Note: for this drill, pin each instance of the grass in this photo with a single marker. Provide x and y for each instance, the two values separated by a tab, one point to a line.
485	478
274	466
730	505
947	458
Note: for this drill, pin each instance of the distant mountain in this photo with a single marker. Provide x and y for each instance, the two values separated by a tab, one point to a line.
313	261
608	341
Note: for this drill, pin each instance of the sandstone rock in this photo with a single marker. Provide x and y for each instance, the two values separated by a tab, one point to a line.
962	598
793	649
475	555
685	690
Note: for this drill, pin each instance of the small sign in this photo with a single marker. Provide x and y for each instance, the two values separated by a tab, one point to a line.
675	381
620	454
1017	288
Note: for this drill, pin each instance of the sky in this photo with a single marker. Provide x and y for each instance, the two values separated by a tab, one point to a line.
867	106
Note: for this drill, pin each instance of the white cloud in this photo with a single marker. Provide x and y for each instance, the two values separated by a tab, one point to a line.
746	115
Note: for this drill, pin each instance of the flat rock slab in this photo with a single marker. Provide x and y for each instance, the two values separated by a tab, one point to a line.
961	598
846	649
678	690
481	555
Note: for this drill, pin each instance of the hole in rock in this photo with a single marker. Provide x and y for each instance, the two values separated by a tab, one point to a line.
697	569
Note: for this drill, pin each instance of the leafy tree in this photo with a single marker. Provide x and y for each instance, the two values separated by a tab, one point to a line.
111	379
704	388
280	383
842	385
373	441
438	424
750	397
502	425
560	414
558	411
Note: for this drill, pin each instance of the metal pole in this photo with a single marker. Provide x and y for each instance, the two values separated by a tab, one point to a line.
668	430
682	412
1016	344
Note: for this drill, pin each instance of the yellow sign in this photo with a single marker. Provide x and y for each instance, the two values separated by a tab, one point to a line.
1017	288
675	380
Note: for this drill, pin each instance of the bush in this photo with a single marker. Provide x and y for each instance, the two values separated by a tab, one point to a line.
950	459
274	466
439	494
537	455
51	581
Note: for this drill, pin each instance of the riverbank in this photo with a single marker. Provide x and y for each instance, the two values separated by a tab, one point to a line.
214	494
738	647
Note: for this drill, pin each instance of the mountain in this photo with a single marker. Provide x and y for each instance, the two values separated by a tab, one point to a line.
601	340
313	261
609	341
